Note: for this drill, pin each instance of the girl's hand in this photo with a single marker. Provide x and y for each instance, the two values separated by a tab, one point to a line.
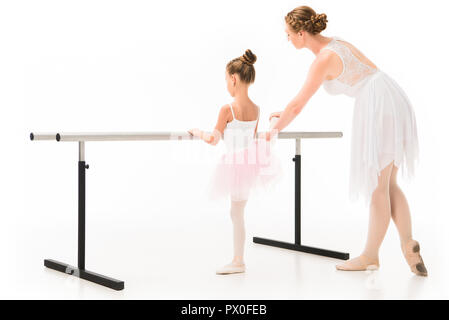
195	132
271	134
205	136
275	114
208	138
268	135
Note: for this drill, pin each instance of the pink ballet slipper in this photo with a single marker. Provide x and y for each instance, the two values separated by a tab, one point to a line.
413	258
231	268
360	263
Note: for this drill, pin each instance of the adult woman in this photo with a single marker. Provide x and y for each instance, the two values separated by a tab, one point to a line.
384	133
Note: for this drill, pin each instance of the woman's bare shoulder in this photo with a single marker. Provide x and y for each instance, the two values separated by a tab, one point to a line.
325	57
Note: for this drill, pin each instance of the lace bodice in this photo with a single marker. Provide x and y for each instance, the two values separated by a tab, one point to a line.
354	75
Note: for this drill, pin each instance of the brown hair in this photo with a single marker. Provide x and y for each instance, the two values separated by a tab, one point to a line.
305	18
243	66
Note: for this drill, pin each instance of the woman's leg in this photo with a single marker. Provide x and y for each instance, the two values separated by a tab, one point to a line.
237	212
400	211
380	213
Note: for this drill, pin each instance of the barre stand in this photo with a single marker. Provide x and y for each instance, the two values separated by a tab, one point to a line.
297	245
81	272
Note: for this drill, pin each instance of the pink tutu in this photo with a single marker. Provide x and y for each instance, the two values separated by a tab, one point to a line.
240	171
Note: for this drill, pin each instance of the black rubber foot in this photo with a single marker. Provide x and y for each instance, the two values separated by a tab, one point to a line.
84	274
301	248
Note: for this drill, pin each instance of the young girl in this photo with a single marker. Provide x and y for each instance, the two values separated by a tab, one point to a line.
248	162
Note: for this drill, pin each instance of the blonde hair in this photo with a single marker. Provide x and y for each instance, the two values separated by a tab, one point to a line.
304	18
243	66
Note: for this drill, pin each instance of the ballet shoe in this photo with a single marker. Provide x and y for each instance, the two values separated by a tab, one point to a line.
231	268
360	263
412	256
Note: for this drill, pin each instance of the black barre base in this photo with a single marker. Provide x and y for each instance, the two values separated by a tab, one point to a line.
84	274
297	246
301	248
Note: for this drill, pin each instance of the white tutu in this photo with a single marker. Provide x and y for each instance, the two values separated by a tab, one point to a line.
255	169
249	165
383	130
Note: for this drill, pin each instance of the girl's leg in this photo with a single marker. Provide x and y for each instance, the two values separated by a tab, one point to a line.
380	213
237	265
237	212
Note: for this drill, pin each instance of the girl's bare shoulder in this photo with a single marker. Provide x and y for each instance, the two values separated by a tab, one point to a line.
225	112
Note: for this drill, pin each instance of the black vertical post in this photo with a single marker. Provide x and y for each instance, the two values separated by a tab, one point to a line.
297	246
81	214
297	160
81	271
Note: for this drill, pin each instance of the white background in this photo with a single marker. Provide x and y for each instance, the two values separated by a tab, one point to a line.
159	66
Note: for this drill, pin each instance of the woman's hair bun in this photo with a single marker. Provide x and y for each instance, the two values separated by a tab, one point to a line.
319	22
305	18
249	57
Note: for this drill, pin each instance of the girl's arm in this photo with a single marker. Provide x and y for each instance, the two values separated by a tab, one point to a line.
255	130
214	137
315	77
257	123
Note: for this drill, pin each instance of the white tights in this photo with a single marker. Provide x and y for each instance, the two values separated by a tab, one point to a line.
237	211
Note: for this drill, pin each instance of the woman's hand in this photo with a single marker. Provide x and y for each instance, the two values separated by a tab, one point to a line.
273	132
275	114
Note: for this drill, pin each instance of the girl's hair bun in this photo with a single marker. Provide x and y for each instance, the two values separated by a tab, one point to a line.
249	57
243	66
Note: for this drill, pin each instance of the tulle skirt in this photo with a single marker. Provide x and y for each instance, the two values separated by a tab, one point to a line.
383	130
248	170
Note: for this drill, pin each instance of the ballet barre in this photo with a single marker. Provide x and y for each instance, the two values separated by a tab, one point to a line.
80	137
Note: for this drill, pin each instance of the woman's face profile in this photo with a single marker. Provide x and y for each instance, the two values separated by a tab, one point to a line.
294	37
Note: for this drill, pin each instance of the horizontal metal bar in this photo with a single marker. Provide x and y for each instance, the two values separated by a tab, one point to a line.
309	135
136	136
42	136
124	136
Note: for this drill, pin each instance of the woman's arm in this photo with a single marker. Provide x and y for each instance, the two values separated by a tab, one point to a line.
315	77
214	137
